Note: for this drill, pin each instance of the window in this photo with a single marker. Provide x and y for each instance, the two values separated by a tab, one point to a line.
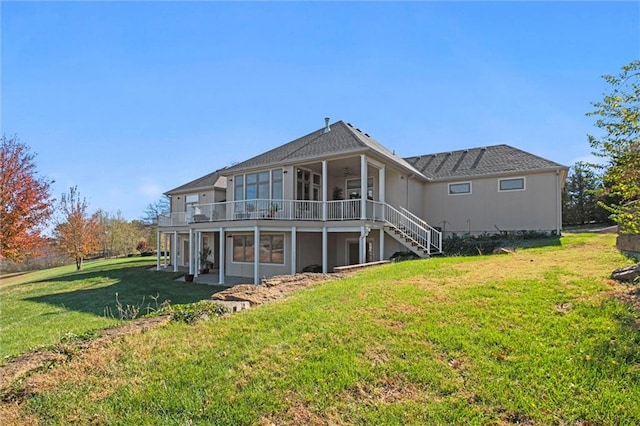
271	248
460	188
516	184
353	188
263	185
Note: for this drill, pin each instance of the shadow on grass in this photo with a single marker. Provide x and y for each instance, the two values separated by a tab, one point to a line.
94	291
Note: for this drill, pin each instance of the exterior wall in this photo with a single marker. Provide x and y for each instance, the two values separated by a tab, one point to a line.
309	250
396	193
486	209
209	196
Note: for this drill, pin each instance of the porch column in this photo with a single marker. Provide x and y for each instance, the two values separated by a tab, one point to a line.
363	187
174	251
324	190
221	256
363	244
196	258
165	238
381	244
190	251
256	255
294	249
325	266
381	190
158	252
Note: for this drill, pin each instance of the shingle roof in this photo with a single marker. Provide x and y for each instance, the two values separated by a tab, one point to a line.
214	179
479	161
343	138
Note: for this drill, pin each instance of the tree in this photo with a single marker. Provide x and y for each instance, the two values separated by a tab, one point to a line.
580	196
78	233
25	201
154	210
150	219
618	114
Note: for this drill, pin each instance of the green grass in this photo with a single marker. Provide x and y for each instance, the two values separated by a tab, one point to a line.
40	308
530	338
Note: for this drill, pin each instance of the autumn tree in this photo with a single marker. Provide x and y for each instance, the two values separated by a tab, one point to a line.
25	201
618	115
77	232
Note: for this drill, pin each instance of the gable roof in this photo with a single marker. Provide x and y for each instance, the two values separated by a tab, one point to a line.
488	160
214	179
343	138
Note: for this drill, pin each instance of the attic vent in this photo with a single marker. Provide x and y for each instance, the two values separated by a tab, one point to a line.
327	129
349	124
484	148
367	135
360	131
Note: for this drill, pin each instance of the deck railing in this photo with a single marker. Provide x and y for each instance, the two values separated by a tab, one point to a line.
275	210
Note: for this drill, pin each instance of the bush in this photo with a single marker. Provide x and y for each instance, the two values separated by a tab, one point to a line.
189	313
470	245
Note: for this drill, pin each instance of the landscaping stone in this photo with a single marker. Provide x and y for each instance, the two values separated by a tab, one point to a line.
627	274
273	288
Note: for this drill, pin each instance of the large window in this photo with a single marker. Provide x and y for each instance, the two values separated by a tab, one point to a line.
258	186
516	184
271	248
460	188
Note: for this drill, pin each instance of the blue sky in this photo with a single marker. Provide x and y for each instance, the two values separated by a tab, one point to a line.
128	100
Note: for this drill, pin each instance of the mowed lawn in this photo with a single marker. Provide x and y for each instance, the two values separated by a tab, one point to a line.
534	337
40	308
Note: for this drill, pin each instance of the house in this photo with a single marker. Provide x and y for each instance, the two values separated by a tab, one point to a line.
338	197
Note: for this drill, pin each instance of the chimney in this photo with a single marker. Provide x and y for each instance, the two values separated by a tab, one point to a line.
327	129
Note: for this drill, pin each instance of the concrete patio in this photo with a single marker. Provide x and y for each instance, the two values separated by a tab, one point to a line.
212	278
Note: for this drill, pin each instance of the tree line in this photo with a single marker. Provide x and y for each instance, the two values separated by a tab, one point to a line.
27	208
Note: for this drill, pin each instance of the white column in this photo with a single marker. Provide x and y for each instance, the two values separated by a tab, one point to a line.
381	244
325	248
190	251
324	190
174	251
363	187
196	258
165	237
158	252
294	249
382	182
221	256
256	255
363	244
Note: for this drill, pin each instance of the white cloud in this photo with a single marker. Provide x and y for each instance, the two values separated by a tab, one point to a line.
150	189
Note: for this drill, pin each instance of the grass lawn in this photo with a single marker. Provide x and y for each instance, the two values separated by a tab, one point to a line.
533	337
40	308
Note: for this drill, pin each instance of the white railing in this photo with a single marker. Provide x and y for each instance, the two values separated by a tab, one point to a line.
436	236
415	228
343	210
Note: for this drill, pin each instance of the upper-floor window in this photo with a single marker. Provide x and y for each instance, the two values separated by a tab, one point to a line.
258	186
515	184
460	188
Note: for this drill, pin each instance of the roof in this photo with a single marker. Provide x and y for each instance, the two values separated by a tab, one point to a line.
488	160
343	138
214	179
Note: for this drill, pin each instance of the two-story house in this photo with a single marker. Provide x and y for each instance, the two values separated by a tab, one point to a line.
338	197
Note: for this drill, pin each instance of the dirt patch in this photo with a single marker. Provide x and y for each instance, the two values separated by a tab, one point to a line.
44	358
273	288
